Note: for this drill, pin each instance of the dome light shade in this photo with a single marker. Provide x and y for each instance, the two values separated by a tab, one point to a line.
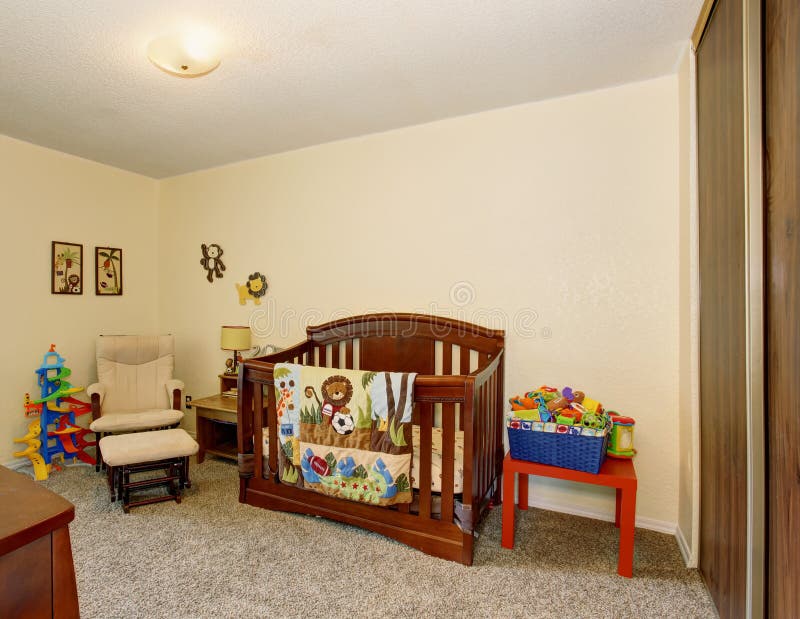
187	54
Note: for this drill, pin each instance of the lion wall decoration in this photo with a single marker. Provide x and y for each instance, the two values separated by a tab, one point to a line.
212	261
253	290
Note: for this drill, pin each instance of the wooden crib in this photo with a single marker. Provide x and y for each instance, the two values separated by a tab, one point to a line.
459	387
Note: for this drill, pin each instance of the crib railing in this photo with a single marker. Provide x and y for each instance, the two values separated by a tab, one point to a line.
471	400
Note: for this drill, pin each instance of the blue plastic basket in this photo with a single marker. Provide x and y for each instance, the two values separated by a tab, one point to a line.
569	451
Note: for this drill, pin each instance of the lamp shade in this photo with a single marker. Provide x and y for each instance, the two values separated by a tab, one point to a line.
235	338
186	54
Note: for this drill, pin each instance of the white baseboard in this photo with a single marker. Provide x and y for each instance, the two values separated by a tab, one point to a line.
23	465
17	463
686	551
662	526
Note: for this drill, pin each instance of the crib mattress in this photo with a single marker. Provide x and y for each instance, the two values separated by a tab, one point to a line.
436	459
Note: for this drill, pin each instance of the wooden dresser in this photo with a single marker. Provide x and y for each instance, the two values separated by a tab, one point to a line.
37	577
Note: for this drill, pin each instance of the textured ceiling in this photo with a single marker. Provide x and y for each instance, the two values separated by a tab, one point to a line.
74	74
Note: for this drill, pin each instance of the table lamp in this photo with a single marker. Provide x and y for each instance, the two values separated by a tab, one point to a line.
235	339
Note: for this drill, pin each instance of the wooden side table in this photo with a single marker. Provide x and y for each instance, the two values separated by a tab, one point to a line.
216	427
618	474
37	576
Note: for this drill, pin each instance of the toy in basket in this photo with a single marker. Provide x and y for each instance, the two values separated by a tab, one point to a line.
564	429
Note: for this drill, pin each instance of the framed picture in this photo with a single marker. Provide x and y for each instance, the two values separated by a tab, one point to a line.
108	271
66	268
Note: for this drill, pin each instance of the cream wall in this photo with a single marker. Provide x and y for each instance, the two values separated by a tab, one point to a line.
47	196
561	216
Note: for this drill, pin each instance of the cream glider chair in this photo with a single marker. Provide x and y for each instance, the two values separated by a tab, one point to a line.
135	389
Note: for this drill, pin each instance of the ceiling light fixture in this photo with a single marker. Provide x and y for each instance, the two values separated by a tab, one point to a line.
190	53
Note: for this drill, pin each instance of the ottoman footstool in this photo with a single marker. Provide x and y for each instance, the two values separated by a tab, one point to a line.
159	450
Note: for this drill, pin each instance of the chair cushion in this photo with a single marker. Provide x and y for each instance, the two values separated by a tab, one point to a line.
136	420
140	447
135	370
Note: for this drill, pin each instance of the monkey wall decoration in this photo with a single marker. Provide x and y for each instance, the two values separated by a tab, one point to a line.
212	261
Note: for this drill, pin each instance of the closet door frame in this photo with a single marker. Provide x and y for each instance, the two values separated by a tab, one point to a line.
753	172
754	208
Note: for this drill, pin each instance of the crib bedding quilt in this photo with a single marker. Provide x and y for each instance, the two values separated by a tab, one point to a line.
345	433
436	459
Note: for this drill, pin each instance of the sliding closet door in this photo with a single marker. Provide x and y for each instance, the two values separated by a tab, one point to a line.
782	189
723	308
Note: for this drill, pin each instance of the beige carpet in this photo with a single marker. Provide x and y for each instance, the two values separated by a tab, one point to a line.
213	557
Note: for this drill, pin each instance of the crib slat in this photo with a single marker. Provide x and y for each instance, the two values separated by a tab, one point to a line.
463	369
449	409
415	414
496	429
321	363
481	429
464	360
246	418
348	354
448	462
258	428
490	435
425	440
477	424
490	429
497	416
335	355
272	425
487	439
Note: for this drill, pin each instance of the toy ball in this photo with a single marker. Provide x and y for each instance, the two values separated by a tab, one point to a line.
343	423
593	420
319	466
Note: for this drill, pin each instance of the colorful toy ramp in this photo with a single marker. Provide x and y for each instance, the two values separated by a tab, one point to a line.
60	387
40	468
57	410
73	441
70	405
78	406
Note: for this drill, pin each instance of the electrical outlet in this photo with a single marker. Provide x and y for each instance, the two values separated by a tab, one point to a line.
188	401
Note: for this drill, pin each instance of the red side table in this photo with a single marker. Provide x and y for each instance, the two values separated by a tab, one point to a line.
614	473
